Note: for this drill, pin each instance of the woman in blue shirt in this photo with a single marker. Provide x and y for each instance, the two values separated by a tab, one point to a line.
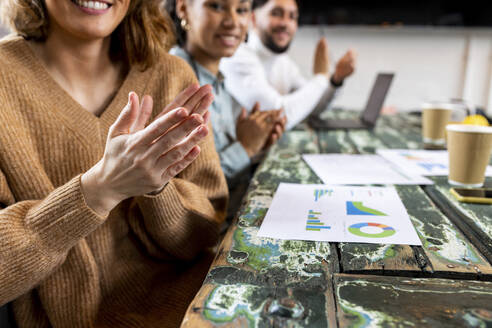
207	31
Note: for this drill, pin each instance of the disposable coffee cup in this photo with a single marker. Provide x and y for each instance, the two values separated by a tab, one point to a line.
435	116
469	148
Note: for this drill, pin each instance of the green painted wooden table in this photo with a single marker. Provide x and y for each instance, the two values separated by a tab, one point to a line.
263	282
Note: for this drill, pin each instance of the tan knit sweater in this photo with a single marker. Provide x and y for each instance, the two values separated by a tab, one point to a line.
64	265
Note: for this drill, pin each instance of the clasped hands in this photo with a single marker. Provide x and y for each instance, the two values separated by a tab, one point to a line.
258	130
139	158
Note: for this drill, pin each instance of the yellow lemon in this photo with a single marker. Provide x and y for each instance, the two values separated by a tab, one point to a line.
475	120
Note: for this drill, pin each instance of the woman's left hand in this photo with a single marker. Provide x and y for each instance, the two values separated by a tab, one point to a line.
195	99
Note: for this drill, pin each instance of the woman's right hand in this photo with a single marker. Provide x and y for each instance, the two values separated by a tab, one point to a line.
253	130
138	159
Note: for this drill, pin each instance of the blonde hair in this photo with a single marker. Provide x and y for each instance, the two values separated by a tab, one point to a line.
142	37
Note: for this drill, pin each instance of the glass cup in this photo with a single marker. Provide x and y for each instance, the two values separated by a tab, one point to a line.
469	148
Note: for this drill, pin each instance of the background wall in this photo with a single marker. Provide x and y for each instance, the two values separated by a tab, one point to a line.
430	63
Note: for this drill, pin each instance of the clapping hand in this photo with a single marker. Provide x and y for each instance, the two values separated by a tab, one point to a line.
345	66
321	58
278	128
260	129
140	159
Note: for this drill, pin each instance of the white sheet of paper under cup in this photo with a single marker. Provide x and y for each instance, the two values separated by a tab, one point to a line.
346	169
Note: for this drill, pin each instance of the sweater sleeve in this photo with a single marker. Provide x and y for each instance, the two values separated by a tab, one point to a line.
35	235
184	218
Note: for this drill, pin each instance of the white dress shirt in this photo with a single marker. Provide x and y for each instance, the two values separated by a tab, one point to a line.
256	74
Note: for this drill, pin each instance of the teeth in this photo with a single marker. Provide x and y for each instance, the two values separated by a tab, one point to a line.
92	4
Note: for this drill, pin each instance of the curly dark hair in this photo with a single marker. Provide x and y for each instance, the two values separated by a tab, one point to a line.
141	38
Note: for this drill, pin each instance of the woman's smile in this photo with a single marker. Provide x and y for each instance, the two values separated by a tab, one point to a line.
228	40
92	7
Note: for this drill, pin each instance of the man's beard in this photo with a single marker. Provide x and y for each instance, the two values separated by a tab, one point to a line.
270	44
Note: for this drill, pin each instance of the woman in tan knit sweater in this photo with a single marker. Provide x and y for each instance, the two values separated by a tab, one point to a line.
101	213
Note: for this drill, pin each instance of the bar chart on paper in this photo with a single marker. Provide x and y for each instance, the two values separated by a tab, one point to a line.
314	222
338	214
318	193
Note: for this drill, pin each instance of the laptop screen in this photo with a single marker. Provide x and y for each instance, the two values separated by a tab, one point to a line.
376	99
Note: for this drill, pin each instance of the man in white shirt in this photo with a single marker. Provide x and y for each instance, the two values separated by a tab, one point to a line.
260	70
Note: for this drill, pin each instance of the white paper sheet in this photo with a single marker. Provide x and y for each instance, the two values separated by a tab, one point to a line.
360	169
338	214
423	162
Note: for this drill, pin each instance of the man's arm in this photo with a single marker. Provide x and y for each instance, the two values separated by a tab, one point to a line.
246	80
328	96
343	69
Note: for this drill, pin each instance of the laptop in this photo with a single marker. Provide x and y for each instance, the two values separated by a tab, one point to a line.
368	117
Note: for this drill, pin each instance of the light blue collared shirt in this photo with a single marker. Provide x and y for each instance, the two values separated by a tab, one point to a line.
224	112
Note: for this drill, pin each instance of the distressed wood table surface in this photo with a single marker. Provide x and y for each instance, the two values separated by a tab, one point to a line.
263	282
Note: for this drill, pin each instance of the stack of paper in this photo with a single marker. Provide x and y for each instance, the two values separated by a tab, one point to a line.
348	213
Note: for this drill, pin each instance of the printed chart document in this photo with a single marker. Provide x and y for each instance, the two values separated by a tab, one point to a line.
423	162
338	214
360	169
